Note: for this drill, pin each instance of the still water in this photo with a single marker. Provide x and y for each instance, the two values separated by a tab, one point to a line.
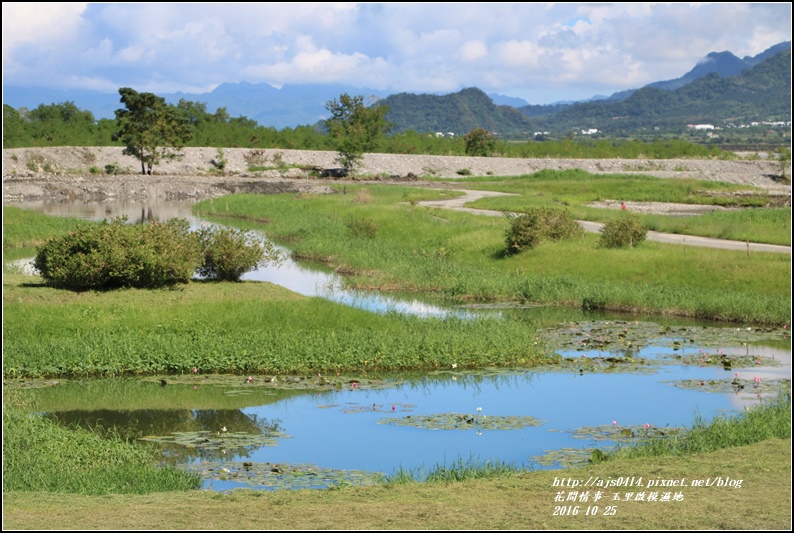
320	430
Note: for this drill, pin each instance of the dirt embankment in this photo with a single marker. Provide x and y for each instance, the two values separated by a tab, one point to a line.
78	173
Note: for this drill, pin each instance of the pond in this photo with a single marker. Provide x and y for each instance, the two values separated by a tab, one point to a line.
624	377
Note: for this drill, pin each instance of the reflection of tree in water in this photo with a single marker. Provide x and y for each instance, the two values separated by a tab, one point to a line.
133	425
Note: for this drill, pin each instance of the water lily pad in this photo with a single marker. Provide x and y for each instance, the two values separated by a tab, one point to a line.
281	475
241	385
566	457
219	440
463	421
353	407
602	365
630	336
741	385
31	383
728	362
623	433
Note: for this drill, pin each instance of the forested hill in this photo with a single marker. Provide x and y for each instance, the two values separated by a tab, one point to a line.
457	113
761	93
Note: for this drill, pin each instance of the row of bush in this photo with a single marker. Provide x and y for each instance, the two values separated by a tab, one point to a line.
540	224
114	254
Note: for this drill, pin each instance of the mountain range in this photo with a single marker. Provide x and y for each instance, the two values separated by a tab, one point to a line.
720	86
285	107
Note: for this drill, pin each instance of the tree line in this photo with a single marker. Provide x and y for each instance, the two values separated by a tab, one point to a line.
149	129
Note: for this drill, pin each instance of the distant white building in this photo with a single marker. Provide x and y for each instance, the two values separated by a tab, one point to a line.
700	126
591	131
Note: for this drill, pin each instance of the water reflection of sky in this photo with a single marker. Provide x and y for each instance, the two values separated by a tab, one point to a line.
324	434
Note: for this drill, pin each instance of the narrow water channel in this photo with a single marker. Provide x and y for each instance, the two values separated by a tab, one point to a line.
319	430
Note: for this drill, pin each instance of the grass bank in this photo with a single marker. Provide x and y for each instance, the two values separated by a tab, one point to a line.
40	455
380	239
248	327
749	218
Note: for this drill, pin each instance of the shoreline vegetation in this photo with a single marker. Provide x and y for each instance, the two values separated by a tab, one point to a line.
379	238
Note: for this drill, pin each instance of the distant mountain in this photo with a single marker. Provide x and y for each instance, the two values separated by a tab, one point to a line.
762	92
457	113
289	106
512	101
723	63
101	105
295	105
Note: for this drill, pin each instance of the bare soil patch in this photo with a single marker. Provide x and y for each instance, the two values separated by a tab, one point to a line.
78	173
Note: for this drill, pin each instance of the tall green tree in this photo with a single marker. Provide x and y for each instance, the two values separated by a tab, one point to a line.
149	128
14	128
480	142
355	128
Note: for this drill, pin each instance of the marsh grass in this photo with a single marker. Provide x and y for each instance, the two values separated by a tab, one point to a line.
27	229
768	420
235	328
461	257
459	470
39	455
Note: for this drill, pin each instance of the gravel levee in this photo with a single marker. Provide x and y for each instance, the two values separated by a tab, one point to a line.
65	173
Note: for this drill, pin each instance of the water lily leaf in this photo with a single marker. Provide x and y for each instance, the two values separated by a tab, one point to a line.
447	421
717	359
281	475
241	385
354	407
750	387
629	336
217	440
623	433
565	457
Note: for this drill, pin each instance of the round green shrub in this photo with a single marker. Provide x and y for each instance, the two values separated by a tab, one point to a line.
625	231
114	254
230	253
538	224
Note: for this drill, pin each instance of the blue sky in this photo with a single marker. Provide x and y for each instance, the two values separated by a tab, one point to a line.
542	53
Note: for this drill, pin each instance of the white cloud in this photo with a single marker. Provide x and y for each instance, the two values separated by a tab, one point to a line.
540	52
518	54
473	50
40	23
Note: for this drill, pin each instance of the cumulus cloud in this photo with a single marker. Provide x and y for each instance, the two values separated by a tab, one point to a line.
540	52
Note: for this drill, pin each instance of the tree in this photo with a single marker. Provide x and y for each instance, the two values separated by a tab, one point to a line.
479	142
14	128
150	128
355	128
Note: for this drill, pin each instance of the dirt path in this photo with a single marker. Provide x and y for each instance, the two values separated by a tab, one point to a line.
458	204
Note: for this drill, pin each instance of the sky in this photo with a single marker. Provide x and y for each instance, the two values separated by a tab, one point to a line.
541	52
